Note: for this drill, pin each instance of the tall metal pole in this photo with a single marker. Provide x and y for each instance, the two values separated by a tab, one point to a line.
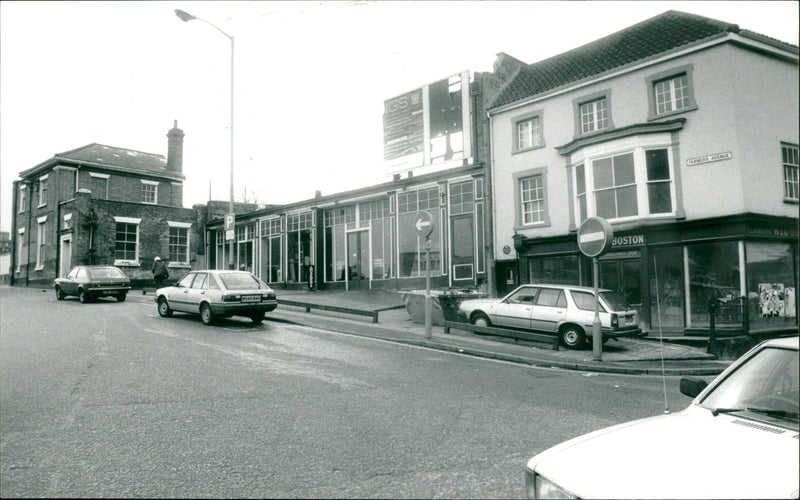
428	303
597	334
230	206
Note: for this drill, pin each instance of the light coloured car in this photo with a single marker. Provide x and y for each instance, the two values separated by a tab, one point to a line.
737	439
89	283
564	310
217	294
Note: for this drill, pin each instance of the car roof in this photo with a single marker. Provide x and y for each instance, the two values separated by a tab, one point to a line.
792	342
571	287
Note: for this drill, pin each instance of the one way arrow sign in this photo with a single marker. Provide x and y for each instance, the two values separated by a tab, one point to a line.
423	224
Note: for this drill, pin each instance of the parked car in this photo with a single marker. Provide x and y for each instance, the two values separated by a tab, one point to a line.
91	282
567	311
217	294
737	439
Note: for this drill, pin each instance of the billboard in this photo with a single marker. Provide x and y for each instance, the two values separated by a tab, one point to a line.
427	126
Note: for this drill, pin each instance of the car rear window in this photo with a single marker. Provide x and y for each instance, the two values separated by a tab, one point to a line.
585	300
238	281
615	301
106	272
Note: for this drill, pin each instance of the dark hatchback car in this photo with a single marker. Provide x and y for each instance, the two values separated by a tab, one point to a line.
89	283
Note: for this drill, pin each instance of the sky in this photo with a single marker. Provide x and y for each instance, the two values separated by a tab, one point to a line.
310	78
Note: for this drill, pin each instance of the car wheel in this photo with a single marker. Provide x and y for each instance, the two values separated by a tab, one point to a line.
480	319
83	296
206	314
163	308
60	295
257	317
121	297
572	336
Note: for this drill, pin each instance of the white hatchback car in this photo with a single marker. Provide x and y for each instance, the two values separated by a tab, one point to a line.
737	439
564	310
217	294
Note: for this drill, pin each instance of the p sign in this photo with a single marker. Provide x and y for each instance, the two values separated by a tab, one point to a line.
229	223
594	237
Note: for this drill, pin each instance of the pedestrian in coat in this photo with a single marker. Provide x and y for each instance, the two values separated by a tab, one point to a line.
160	272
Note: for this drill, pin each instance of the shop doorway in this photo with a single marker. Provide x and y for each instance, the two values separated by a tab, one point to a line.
358	260
462	230
66	256
623	275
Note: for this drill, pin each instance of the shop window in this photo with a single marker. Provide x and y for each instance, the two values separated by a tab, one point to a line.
771	285
791	164
557	270
298	247
714	273
462	198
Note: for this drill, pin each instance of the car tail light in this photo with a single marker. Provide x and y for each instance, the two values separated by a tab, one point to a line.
231	298
614	320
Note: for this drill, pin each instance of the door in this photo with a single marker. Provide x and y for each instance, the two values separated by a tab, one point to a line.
550	310
516	309
197	293
463	243
358	260
66	256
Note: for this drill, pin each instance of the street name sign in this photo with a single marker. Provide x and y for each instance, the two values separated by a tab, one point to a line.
423	224
595	236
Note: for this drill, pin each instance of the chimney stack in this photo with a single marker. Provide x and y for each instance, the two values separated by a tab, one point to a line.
175	149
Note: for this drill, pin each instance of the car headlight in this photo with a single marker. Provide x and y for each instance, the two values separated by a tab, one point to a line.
537	486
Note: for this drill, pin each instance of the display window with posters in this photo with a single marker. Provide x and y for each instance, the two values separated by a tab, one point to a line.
772	278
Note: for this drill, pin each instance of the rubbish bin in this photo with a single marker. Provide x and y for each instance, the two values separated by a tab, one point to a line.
450	301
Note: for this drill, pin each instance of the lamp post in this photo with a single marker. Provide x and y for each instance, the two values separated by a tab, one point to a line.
186	17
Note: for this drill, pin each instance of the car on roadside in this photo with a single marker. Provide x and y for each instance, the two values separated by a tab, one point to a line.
563	310
214	294
737	439
89	283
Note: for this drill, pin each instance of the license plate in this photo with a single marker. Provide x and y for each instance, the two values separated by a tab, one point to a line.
109	292
251	298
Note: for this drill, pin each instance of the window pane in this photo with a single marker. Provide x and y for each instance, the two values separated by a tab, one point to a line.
623	170
657	164
606	204
580	179
659	197
603	176
771	286
627	202
713	273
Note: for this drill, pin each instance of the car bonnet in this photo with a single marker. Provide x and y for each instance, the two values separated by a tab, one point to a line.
690	454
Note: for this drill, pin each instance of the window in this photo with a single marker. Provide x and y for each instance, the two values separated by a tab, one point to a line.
462	197
126	244
529	133
532	196
179	242
671	92
40	242
594	116
615	187
23	191
20	245
791	190
424	199
636	183
149	192
99	186
43	190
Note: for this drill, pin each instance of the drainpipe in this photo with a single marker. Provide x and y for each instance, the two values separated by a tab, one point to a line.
489	217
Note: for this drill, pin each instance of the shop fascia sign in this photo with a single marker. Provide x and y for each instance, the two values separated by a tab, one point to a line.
629	240
699	160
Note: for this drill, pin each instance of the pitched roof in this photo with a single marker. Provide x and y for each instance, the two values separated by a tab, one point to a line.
113	158
659	34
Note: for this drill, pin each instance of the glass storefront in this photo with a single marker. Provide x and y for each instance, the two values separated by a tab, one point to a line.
714	273
411	247
557	270
666	289
298	247
271	255
771	282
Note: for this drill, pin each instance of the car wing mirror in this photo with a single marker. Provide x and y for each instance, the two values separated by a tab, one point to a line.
692	386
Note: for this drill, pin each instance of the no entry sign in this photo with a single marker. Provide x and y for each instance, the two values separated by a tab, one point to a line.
594	236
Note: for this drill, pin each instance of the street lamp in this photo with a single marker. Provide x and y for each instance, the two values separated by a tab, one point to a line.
186	17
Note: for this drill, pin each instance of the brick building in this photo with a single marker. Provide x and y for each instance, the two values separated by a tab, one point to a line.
99	204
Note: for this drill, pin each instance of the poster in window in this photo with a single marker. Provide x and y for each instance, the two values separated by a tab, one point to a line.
771	300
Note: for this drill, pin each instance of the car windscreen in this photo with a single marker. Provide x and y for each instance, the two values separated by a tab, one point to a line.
106	272
615	301
767	384
239	281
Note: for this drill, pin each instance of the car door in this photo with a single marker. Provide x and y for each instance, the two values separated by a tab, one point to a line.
196	292
179	294
515	310
550	309
68	285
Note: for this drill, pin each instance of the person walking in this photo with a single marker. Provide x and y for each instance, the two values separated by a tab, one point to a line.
160	272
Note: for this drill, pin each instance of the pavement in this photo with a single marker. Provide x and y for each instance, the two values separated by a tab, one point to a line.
648	356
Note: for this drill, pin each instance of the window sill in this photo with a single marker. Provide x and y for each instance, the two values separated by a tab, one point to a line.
791	201
518	227
652	116
127	263
525	150
38	268
179	265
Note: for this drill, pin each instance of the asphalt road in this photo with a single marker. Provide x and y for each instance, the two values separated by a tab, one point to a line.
109	400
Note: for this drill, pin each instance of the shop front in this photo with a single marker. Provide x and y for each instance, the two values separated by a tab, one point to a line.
672	272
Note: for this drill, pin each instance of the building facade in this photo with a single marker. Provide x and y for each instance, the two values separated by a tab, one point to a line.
682	132
103	205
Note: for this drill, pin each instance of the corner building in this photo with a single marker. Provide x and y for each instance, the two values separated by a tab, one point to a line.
682	132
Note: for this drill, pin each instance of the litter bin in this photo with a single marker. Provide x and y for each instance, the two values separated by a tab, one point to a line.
450	301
